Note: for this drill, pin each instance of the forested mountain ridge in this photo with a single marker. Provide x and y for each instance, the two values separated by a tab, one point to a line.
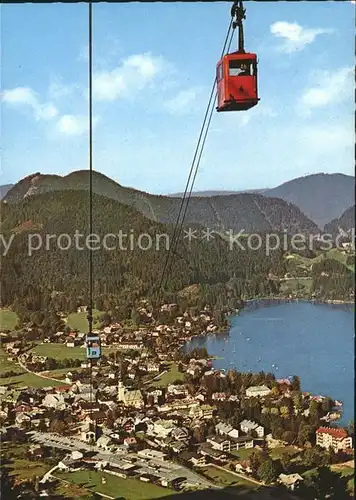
321	197
125	273
44	266
250	212
346	222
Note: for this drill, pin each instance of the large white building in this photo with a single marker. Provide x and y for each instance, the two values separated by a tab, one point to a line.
248	426
257	391
338	439
149	454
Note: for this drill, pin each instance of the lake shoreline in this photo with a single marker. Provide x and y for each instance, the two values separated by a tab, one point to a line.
286	300
251	304
258	340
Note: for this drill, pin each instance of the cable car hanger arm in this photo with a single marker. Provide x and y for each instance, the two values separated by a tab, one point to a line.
238	13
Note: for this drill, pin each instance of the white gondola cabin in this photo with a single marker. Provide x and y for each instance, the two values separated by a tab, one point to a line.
93	346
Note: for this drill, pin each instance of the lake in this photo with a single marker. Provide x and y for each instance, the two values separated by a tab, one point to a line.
313	341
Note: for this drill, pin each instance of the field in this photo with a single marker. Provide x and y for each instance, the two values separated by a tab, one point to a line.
242	454
25	379
235	485
28	380
219	476
294	284
306	263
346	471
13	458
60	351
116	487
170	376
70	490
79	321
279	451
62	372
6	365
8	319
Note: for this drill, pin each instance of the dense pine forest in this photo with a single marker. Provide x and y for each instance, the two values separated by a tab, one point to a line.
57	279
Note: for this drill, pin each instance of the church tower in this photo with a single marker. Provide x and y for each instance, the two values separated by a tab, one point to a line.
120	388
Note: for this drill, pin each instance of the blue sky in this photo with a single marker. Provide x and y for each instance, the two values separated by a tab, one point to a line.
154	65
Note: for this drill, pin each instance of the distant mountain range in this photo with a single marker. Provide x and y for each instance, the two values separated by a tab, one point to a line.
321	197
218	193
250	212
302	204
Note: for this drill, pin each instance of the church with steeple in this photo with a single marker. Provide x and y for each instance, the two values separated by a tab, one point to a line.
128	397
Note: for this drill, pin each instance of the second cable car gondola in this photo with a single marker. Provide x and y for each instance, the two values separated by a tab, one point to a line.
236	73
93	346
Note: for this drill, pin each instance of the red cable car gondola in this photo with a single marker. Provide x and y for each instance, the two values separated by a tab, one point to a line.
236	73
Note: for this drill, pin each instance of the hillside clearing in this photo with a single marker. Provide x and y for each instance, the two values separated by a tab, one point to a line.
8	319
79	321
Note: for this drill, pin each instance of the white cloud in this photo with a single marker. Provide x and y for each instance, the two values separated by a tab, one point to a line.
46	112
183	102
57	89
20	95
294	36
68	124
135	74
326	138
74	124
328	87
25	96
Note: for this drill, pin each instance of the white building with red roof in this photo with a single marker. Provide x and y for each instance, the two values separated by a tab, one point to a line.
338	439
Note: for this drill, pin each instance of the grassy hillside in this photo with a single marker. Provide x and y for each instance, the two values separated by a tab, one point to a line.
295	261
8	319
79	321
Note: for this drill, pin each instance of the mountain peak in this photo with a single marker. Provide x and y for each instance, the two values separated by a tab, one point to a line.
250	212
321	197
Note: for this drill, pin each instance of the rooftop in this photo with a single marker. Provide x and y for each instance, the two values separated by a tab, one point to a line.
258	388
290	479
243	439
248	423
166	424
336	433
218	439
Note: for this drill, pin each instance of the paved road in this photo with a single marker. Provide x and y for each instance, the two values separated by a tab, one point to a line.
156	377
48	474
